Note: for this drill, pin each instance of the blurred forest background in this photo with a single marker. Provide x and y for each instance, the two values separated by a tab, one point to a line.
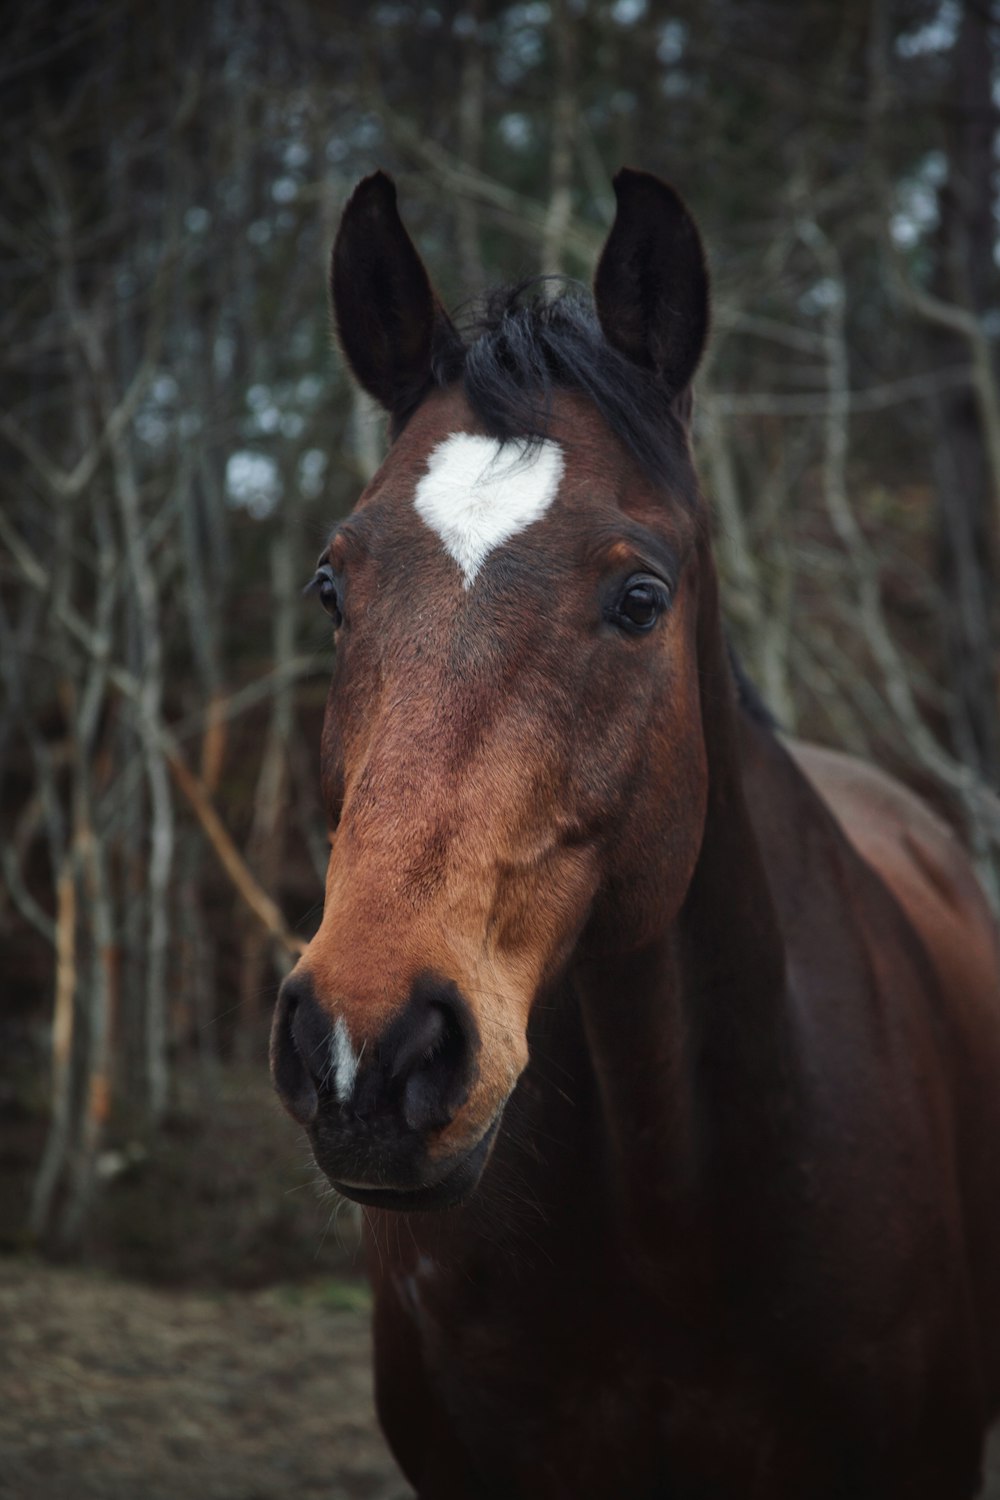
179	434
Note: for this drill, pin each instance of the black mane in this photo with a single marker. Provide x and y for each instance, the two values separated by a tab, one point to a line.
748	694
524	346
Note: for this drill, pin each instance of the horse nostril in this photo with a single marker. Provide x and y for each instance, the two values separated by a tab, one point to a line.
300	1048
438	1082
419	1042
418	1074
430	1054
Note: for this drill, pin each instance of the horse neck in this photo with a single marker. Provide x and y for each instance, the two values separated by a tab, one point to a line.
685	1035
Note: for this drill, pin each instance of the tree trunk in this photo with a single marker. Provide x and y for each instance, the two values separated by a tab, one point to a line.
964	477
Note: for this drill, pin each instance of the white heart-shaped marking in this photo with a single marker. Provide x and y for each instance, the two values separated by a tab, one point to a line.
478	493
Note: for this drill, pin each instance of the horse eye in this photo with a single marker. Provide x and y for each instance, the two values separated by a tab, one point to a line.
326	586
641	604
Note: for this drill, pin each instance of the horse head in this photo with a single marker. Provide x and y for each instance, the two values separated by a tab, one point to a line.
513	755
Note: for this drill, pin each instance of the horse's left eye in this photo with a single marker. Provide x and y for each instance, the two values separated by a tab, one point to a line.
327	587
642	602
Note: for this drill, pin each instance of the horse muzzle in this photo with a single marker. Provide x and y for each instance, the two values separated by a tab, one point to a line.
382	1116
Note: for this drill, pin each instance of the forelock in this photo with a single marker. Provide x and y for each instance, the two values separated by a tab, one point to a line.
523	347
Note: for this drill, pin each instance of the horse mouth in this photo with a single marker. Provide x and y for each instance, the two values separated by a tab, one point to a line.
449	1191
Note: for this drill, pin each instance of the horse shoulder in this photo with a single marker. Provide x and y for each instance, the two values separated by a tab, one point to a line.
922	862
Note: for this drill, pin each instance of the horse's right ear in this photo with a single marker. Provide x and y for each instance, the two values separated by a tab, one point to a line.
388	319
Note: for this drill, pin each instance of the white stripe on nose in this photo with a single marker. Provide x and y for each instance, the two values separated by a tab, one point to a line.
343	1061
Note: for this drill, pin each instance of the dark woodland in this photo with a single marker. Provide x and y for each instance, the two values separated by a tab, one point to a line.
179	434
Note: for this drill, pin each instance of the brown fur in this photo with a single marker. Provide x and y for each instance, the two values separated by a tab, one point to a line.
736	1006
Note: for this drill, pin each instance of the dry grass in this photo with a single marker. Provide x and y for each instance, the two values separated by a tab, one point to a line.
114	1391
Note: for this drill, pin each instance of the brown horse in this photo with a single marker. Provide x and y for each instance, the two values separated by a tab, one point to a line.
690	1037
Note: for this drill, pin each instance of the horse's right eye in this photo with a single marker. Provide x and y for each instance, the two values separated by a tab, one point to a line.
327	587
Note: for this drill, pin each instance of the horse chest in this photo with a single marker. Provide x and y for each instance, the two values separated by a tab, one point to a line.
550	1397
557	1399
540	1418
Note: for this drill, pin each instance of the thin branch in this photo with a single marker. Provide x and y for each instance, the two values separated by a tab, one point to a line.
982	805
66	484
870	398
523	216
259	902
983	375
562	29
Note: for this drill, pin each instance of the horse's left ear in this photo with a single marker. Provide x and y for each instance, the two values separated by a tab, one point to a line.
651	284
389	321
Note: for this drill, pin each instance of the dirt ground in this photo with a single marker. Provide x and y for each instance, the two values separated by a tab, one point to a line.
110	1390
